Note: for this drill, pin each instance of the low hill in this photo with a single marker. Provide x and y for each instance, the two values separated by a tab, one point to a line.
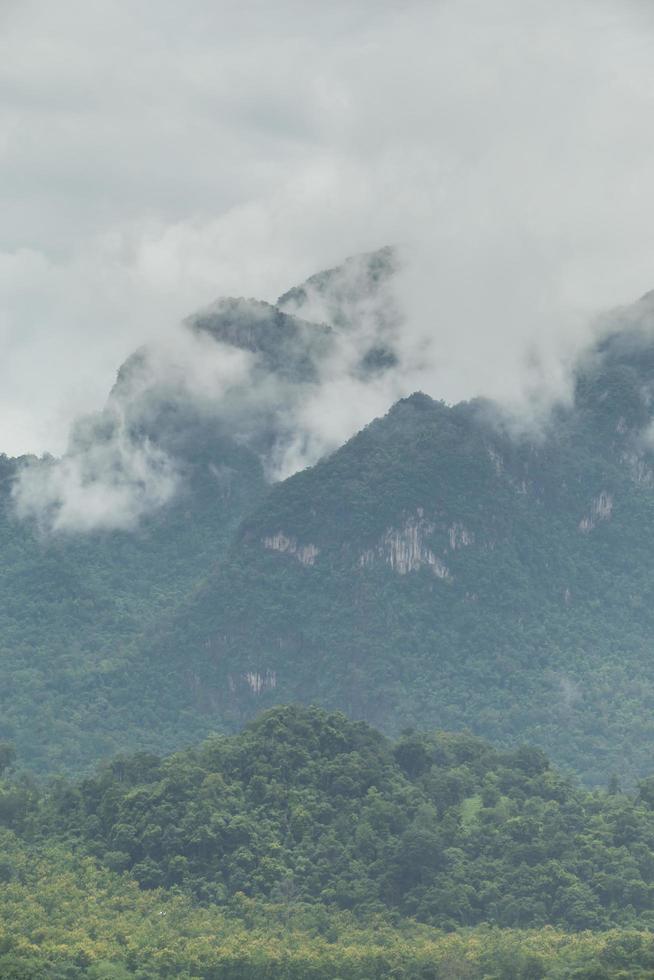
308	807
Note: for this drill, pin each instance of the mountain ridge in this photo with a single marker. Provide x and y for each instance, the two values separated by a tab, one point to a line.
444	567
547	514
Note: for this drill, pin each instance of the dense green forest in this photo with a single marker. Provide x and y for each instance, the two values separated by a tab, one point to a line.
74	607
313	846
441	570
64	918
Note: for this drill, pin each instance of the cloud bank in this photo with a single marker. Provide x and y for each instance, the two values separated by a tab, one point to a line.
154	158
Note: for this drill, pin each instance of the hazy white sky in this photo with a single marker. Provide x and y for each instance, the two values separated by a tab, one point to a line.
154	155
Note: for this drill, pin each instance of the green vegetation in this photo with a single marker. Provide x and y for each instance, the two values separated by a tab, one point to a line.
310	846
440	570
310	807
74	607
63	918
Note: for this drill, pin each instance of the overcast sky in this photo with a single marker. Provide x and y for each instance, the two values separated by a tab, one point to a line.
155	155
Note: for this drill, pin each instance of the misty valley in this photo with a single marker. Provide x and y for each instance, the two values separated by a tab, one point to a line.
293	691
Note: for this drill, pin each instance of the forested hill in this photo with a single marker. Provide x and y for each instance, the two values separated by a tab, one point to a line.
308	807
310	847
440	570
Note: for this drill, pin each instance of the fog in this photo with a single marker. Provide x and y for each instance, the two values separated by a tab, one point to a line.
154	158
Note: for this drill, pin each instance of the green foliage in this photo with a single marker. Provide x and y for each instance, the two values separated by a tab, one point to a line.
309	848
7	756
306	807
66	919
74	608
440	569
538	626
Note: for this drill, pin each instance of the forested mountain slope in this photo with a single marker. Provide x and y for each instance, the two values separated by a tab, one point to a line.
100	546
73	606
444	568
439	570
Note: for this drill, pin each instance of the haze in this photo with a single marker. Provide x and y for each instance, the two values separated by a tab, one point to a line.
153	157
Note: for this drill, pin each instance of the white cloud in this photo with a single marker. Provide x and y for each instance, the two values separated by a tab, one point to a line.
109	485
154	157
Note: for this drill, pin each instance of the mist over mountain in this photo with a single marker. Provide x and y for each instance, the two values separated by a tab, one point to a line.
291	382
440	569
327	490
264	378
448	566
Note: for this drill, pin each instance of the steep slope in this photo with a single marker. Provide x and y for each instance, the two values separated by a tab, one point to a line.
289	347
73	606
102	544
356	299
438	570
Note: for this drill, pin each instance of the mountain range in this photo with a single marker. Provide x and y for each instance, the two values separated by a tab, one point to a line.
445	568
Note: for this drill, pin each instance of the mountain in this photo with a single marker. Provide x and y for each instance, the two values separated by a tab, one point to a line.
98	547
74	604
288	346
101	545
445	568
439	570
